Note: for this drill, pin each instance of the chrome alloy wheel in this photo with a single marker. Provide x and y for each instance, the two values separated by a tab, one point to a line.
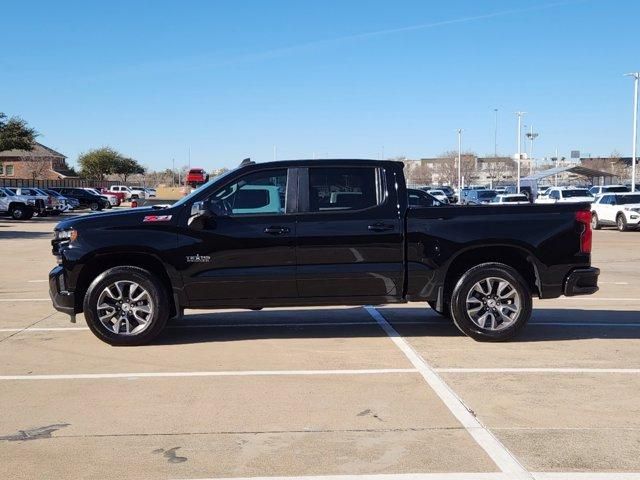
493	304
125	308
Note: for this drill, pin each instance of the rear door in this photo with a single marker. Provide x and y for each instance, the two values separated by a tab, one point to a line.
350	233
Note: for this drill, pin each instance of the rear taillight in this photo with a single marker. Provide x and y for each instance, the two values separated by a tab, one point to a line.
584	217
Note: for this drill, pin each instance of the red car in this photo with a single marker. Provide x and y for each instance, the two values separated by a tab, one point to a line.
196	176
121	196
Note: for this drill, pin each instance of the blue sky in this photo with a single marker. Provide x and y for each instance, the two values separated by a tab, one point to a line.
231	79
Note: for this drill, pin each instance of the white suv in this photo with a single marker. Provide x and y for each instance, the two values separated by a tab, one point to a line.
600	189
619	209
566	195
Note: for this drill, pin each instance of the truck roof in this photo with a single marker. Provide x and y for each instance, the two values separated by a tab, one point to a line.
327	162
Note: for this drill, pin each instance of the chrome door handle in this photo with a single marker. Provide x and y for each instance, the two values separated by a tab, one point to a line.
276	230
380	227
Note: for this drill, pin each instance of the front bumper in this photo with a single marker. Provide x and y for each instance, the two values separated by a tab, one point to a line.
63	300
581	281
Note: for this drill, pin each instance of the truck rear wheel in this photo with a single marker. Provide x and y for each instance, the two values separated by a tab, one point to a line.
126	306
491	302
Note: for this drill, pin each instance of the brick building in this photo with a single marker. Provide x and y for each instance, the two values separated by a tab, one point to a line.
41	163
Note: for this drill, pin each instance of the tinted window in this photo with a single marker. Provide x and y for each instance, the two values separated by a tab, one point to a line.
627	199
255	193
619	189
576	193
486	194
418	198
336	189
554	194
607	200
517	198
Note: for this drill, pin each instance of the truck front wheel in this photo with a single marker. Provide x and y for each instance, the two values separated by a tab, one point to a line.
491	302
21	212
126	306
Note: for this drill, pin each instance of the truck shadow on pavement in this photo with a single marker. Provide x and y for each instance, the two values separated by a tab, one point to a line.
545	325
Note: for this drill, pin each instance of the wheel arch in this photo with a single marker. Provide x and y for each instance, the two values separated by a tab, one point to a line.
104	261
513	256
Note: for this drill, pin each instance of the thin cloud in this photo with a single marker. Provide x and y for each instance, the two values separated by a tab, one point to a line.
203	62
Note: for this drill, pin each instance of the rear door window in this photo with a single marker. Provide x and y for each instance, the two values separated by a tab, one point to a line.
343	189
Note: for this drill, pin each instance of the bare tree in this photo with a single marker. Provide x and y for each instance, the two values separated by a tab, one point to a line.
417	172
38	169
499	169
447	167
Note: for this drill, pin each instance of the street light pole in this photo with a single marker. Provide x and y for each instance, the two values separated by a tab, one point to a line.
459	161
531	136
495	135
636	77
519	114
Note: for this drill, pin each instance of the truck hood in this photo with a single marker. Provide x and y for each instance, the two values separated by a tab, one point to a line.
113	219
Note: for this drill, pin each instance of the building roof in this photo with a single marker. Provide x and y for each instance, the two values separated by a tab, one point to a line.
39	150
576	169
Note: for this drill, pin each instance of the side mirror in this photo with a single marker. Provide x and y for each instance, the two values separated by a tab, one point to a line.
198	209
199	214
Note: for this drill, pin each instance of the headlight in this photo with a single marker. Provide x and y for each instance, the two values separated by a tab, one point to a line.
65	235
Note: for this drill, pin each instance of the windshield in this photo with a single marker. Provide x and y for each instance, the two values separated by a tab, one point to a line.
628	199
576	193
206	185
486	194
8	192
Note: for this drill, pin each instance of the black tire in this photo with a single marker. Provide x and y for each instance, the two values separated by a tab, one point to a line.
94	206
21	212
621	223
594	222
108	205
446	313
462	318
157	294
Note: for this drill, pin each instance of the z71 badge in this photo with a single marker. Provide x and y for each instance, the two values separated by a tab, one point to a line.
198	258
157	218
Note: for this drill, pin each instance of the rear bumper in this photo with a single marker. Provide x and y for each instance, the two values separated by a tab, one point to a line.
581	281
63	300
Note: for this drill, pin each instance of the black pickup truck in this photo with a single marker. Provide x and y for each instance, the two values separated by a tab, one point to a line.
317	232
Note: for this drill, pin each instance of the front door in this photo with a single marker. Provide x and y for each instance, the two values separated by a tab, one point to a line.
350	233
246	250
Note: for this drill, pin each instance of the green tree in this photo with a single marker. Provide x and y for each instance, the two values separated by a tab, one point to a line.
96	164
127	166
15	134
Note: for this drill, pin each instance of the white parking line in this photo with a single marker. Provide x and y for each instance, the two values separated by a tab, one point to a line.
239	373
456	476
38	281
538	370
582	298
501	456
